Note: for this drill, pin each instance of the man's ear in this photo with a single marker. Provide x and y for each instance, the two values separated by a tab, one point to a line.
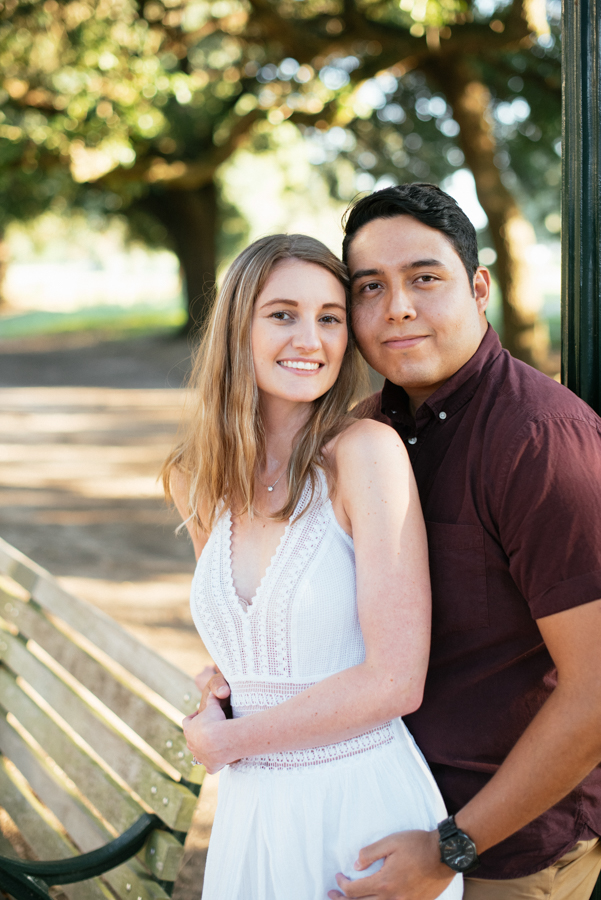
482	288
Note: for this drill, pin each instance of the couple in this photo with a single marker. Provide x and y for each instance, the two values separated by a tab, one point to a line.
312	589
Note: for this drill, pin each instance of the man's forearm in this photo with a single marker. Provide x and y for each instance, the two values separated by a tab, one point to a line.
559	748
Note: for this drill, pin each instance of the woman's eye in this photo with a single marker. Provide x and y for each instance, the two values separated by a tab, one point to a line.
280	316
330	319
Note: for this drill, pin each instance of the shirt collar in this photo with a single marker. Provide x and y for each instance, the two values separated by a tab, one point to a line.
453	394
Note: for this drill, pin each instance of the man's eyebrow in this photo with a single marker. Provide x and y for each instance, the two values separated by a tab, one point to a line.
423	263
362	273
416	264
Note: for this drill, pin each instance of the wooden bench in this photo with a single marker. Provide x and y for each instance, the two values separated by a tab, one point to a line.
94	770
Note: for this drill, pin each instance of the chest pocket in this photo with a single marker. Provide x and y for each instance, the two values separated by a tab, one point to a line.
458	575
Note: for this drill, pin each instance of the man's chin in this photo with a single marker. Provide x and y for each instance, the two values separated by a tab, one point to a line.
408	377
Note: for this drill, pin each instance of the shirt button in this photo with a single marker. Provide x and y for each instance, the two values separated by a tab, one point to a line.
442	415
412	441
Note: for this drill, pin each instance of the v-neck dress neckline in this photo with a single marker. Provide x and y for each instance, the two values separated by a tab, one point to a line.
247	606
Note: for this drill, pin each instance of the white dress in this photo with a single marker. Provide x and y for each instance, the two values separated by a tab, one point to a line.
286	823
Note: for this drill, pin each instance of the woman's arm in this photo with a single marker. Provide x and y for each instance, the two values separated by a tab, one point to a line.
179	491
378	498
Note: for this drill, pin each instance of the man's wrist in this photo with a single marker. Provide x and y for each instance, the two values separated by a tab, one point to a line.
457	849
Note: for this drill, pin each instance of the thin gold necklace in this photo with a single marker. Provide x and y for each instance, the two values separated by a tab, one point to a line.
270	487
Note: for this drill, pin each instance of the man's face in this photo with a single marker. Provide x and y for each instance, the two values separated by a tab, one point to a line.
414	314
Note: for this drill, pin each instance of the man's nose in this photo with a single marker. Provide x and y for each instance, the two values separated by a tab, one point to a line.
400	305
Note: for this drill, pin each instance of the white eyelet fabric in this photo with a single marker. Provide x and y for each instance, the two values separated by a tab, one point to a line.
287	822
301	626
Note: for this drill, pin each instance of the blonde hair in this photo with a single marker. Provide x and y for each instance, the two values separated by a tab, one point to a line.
222	443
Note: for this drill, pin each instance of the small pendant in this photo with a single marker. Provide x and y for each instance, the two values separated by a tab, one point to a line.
270	488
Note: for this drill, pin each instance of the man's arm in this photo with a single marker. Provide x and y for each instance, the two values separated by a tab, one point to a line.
559	748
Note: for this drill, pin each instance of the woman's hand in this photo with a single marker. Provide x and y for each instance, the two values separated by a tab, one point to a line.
205	735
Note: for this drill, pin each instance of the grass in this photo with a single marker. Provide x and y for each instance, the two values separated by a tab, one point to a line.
117	320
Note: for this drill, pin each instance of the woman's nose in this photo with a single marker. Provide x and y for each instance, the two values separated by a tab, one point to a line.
306	337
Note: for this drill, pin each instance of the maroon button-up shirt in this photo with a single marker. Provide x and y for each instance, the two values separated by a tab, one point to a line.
508	465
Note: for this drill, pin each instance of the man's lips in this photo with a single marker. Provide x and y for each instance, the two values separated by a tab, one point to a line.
405	343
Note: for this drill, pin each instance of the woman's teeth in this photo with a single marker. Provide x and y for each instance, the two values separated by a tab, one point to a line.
289	364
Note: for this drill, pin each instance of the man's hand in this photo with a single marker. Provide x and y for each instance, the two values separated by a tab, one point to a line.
412	869
204	676
211	681
201	731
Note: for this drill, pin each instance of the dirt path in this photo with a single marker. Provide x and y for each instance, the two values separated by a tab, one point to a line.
84	428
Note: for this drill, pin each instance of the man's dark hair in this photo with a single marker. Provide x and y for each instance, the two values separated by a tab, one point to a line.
428	204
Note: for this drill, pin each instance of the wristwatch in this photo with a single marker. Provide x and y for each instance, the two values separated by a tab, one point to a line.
457	850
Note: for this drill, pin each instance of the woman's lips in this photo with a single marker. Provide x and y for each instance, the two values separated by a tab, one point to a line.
301	366
405	343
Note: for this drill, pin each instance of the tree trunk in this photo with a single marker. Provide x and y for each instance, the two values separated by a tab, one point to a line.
190	218
4	261
524	334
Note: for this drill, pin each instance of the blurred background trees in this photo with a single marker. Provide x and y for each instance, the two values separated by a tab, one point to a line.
132	110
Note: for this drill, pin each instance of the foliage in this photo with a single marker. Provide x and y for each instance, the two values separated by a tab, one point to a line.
118	105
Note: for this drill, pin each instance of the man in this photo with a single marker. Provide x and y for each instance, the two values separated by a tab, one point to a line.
508	464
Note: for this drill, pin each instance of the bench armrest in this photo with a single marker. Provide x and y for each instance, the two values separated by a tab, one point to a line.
30	880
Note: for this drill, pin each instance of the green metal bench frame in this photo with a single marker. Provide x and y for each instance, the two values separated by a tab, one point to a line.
31	880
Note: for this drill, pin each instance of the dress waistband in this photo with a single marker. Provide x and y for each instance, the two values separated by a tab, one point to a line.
251	696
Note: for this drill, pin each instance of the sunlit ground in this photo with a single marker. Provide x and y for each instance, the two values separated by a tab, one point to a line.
78	493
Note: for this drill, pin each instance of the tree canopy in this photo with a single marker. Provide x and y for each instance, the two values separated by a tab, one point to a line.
131	108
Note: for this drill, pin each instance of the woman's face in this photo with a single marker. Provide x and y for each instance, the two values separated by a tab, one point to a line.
299	332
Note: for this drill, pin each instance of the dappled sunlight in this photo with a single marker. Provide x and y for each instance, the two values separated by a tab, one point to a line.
79	494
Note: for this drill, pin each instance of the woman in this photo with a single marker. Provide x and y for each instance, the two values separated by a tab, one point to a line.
311	591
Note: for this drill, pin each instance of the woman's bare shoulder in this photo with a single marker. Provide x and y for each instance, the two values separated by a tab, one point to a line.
367	440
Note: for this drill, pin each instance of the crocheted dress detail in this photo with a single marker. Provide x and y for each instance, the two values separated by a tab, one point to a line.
301	626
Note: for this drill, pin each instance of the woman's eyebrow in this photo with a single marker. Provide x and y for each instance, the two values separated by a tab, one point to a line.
277	301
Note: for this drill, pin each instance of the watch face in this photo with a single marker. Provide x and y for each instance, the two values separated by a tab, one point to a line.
459	852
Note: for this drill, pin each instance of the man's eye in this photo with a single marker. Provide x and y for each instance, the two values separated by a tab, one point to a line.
370	286
426	279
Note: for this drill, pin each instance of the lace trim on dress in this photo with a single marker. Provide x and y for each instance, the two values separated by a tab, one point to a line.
252	696
316	756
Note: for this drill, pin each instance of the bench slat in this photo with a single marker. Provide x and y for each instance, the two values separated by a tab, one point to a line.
163	852
151	785
112	801
165	679
153	726
44	840
73	815
44	782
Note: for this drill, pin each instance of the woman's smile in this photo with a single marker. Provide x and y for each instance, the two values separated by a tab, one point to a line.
301	366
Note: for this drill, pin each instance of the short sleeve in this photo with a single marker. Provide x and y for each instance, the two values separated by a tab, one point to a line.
550	513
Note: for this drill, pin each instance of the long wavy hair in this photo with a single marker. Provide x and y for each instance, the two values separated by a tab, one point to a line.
221	445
